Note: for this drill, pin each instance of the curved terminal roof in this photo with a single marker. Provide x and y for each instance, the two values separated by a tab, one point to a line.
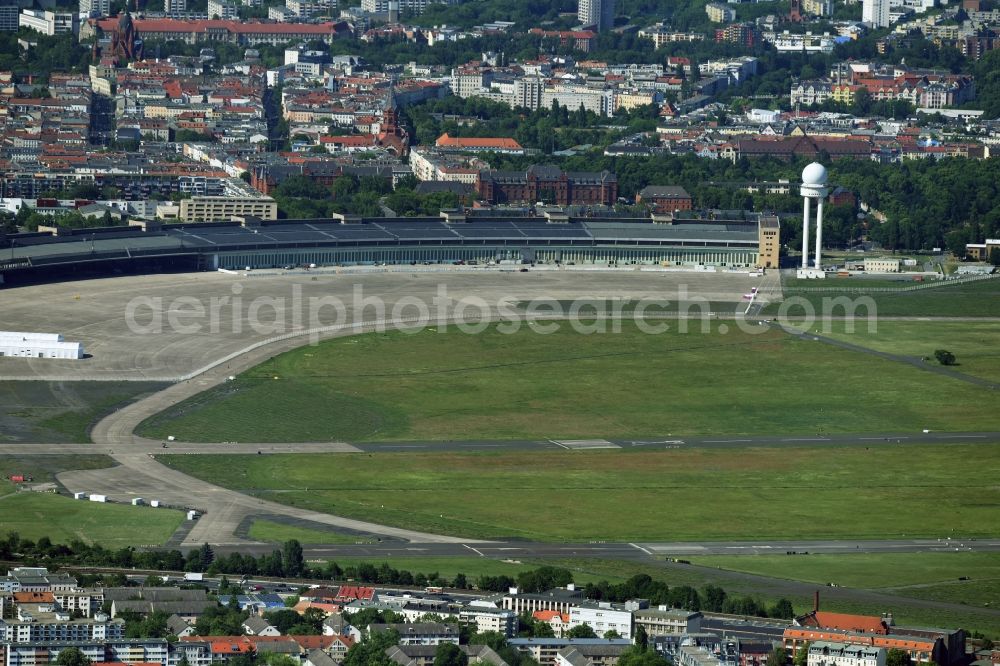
83	245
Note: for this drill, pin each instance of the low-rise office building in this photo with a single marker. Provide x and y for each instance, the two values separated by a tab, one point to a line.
882	265
662	621
208	209
419	633
485	618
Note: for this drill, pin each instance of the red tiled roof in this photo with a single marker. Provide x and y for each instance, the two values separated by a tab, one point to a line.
549	615
854	638
445	141
303	606
350	140
845	621
231	647
143	25
352	592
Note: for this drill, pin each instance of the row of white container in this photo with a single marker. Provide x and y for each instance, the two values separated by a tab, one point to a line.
136	501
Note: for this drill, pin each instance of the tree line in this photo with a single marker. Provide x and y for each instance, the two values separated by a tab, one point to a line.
289	562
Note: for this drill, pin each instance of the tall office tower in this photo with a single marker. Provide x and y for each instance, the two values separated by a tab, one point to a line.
875	13
95	7
599	13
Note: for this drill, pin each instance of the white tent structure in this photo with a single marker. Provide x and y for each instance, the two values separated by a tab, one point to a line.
38	345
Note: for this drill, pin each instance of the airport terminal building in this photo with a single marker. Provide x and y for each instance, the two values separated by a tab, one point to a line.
483	237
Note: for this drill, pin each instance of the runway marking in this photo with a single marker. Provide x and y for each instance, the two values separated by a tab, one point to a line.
807	439
725	441
477	552
407	446
644	442
958	437
579	444
559	444
635	545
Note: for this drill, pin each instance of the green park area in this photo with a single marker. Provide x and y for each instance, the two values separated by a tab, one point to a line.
785	492
448	385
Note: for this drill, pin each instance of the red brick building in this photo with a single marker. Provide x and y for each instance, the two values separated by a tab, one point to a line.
548	184
665	198
789	148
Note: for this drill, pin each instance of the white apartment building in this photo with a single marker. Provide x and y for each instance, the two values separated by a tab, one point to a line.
468	82
720	13
599	101
818	7
486	618
45	622
174	6
428	164
223	9
823	653
412	6
95	7
807	43
528	92
602	617
85	600
811	92
306	8
49	22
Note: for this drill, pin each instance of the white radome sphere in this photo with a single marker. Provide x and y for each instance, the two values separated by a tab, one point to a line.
814	174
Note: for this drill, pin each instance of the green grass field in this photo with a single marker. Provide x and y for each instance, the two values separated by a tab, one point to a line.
62	519
44	468
948	299
33	411
752	493
449	385
890	572
976	345
930	576
267	530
